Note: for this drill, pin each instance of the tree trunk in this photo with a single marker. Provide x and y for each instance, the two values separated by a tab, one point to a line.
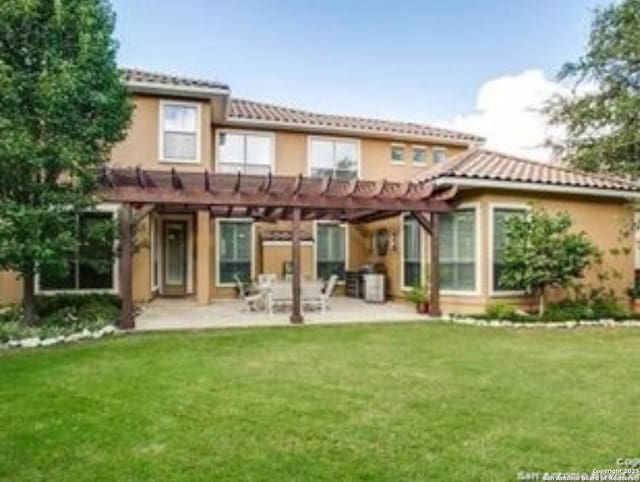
542	302
29	299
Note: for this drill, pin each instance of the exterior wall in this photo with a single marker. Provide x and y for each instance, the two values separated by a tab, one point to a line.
10	288
142	145
602	219
142	262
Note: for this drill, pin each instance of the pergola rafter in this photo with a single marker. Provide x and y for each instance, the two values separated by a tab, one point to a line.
271	198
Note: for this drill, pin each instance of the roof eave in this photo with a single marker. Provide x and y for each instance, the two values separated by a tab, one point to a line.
156	88
258	123
538	187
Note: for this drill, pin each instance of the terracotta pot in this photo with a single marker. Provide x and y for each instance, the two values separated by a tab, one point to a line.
422	307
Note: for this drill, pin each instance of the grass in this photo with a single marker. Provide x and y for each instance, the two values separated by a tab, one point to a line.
384	402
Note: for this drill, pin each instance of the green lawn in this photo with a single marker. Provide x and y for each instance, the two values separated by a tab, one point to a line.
385	402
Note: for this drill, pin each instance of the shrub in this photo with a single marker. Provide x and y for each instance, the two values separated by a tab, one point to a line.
500	311
61	315
586	309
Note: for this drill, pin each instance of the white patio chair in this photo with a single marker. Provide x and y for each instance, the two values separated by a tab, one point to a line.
279	295
328	293
265	280
251	302
311	294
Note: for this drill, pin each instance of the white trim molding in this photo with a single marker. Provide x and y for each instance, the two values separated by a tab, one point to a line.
537	187
353	140
285	243
492	207
477	291
181	103
225	130
164	89
218	222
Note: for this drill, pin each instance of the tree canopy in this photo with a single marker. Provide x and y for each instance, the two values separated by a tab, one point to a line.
62	109
541	252
603	125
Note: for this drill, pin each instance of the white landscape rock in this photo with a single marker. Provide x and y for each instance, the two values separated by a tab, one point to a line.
29	342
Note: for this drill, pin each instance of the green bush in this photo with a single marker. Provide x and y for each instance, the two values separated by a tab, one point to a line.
500	311
585	309
61	315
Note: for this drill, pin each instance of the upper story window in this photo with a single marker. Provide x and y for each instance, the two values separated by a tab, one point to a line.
245	152
397	154
439	154
419	156
180	132
334	157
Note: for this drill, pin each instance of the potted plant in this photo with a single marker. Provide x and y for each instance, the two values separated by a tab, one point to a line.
419	296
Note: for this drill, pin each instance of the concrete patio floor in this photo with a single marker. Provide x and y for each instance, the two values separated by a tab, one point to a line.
175	314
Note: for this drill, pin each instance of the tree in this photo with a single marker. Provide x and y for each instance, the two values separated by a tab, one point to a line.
603	126
63	107
541	252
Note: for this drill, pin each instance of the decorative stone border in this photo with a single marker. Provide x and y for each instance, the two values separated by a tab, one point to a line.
85	334
608	323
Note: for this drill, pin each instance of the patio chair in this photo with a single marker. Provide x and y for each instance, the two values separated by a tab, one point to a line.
311	293
328	293
266	279
279	295
253	302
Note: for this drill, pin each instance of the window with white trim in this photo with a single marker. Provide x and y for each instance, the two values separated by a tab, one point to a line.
397	154
330	250
419	156
458	250
91	266
333	157
412	259
248	153
500	217
180	125
235	246
439	154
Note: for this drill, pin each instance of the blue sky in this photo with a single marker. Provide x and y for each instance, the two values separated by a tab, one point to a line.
422	61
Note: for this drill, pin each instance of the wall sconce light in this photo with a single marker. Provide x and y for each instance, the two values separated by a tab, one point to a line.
393	242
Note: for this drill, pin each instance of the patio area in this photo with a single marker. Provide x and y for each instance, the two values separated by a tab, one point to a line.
175	314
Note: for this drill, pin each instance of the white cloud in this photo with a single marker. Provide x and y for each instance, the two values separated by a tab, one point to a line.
508	114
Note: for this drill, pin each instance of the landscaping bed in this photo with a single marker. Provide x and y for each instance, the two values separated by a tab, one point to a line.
62	318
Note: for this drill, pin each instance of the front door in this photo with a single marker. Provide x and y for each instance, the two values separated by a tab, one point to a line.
175	258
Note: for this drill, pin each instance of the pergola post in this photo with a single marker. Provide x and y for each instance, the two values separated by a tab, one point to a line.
203	255
126	267
296	310
434	268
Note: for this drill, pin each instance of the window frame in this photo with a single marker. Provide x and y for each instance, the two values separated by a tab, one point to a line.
315	246
115	288
515	206
252	272
422	245
398	145
438	149
424	149
268	134
334	139
161	131
477	291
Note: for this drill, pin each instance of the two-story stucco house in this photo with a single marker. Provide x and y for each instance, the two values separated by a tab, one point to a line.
185	126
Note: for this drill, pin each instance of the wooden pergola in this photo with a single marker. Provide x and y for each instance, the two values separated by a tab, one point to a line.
269	198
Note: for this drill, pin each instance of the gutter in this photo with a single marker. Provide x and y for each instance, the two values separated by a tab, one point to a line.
189	91
538	187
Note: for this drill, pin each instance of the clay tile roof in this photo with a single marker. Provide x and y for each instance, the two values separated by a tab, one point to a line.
144	76
283	235
248	110
483	164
